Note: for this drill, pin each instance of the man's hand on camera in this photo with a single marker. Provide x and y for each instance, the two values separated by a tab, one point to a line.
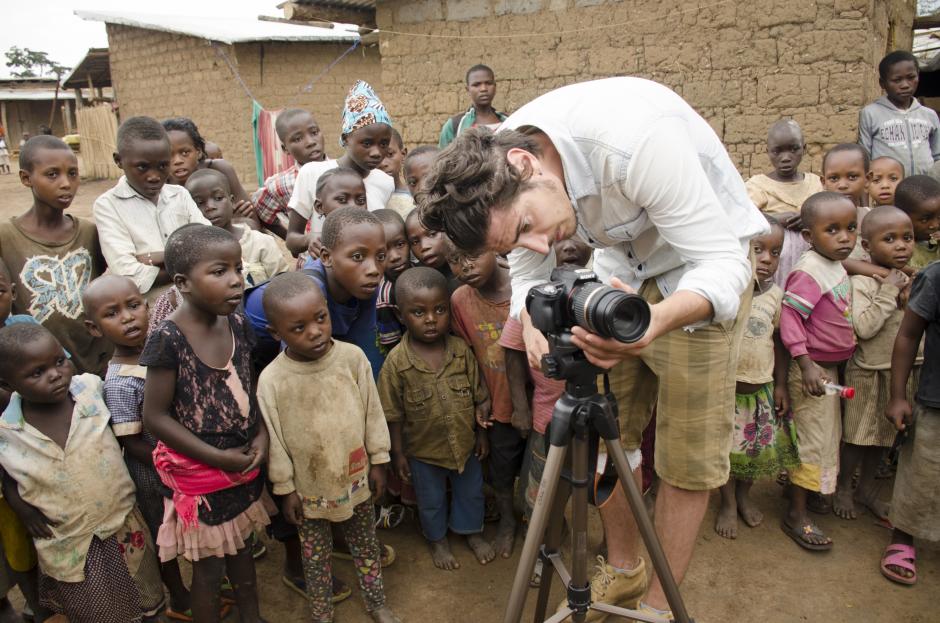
608	352
535	343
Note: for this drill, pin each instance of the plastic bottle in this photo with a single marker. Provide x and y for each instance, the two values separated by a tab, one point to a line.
840	390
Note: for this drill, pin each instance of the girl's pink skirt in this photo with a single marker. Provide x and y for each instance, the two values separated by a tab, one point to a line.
205	541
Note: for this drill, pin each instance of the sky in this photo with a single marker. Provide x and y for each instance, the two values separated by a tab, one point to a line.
51	26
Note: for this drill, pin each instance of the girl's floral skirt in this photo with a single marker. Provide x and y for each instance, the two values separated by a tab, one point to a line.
764	443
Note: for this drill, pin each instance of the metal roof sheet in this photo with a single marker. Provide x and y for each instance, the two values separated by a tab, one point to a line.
224	29
33	94
95	65
350	4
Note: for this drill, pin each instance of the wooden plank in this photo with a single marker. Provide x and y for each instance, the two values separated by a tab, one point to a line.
296	22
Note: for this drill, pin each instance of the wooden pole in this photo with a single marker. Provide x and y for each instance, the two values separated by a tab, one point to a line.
6	126
67	116
78	99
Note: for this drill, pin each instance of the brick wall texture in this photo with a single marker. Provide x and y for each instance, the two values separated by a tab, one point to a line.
165	75
742	65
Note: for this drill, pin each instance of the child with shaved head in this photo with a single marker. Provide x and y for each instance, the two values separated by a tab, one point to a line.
782	192
329	441
816	327
877	310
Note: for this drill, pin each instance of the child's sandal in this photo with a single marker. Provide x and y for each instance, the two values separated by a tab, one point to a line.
390	516
903	556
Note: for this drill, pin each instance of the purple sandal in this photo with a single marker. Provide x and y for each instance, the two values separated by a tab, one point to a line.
899	555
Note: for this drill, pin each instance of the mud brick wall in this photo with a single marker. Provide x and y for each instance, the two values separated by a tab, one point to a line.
166	75
742	65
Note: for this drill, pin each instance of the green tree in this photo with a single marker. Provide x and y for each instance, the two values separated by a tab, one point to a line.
28	63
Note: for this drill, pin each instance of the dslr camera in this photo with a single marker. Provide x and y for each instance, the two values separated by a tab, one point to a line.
575	296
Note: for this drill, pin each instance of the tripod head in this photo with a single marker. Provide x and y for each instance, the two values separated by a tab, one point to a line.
565	361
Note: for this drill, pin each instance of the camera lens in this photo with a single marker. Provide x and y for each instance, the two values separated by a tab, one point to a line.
609	312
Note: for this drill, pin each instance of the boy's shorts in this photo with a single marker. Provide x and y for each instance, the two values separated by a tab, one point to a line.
818	432
507	449
915	506
864	423
18	547
689	377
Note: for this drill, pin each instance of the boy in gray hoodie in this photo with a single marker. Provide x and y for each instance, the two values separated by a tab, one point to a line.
896	124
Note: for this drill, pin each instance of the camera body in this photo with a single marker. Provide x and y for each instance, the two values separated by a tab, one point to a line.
575	297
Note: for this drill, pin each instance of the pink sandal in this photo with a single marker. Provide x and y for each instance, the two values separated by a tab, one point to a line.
902	556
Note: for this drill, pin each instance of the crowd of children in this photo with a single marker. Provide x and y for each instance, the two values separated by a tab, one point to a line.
223	394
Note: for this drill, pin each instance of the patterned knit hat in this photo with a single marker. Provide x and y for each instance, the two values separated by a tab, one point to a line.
363	107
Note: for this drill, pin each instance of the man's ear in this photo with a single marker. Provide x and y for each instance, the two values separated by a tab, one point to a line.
807	236
117	160
284	148
92	328
318	206
397	311
326	257
5	387
273	332
524	161
865	245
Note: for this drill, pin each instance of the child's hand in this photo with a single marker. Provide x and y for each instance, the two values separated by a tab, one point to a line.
482	447
234	459
814	377
794	222
895	278
522	422
899	413
400	465
35	522
314	247
243	209
293	508
377	478
905	294
781	399
483	416
258	451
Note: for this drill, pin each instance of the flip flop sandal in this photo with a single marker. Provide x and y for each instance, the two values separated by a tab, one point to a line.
187	615
783	478
341	590
800	533
902	556
388	555
390	516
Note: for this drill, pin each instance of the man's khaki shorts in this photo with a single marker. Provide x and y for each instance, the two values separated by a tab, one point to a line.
690	378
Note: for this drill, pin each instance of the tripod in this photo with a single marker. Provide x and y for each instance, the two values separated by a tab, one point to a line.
581	417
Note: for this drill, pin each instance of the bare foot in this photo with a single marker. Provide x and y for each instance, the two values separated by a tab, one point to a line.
726	523
843	505
876	507
505	536
384	615
481	548
442	556
749	513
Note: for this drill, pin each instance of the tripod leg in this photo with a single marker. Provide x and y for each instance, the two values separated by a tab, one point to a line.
533	539
556	526
645	525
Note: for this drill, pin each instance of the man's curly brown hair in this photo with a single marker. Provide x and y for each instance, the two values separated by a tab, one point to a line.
469	179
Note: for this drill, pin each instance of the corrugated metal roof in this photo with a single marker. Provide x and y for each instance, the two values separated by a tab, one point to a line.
343	4
95	65
224	29
34	95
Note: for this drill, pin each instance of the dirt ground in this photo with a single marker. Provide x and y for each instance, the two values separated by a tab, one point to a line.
762	576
